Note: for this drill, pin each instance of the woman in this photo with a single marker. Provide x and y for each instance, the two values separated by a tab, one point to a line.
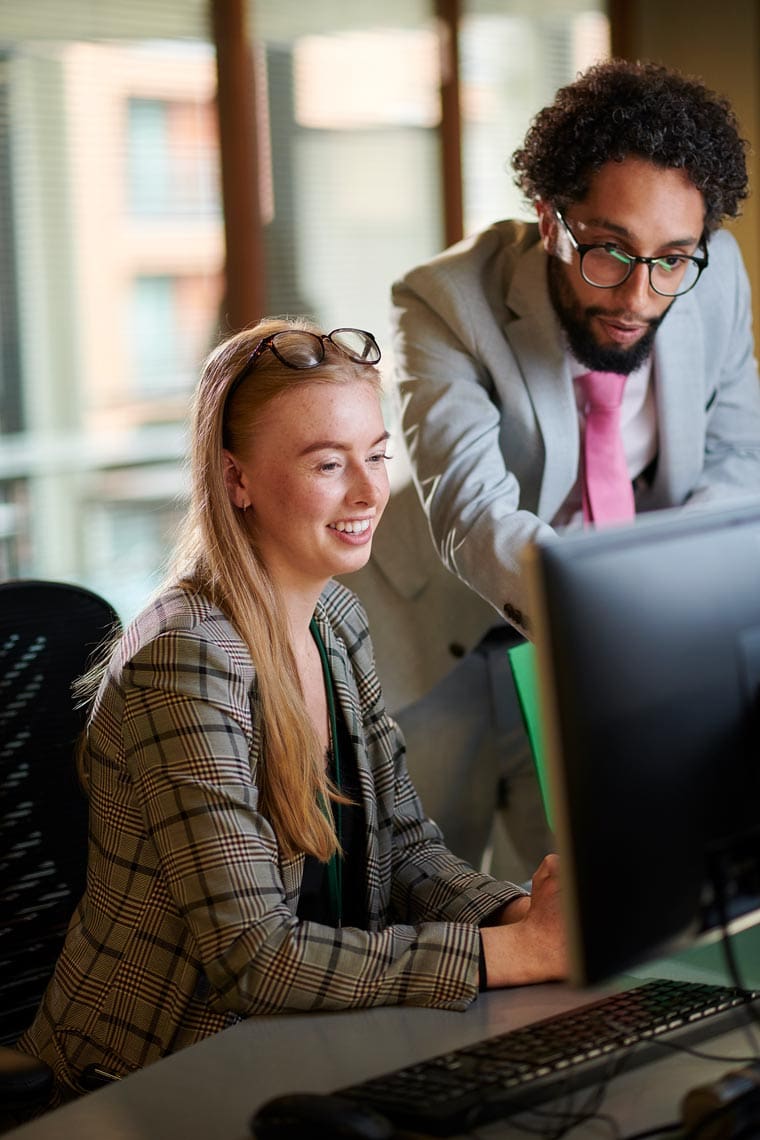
234	870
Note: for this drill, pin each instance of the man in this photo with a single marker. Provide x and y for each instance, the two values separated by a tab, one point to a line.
632	170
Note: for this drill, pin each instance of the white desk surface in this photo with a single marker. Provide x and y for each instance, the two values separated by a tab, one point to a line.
209	1091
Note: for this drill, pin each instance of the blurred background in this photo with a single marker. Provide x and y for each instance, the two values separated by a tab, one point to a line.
170	170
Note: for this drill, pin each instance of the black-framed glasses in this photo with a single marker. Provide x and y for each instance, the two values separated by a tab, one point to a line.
605	265
297	348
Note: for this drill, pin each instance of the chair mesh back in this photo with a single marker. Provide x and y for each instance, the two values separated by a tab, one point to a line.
48	633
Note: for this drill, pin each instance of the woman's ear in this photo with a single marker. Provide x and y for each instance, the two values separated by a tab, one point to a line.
236	482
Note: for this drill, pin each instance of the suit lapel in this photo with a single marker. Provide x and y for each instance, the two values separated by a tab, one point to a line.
534	336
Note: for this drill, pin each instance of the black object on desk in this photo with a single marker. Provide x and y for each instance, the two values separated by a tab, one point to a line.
313	1116
500	1076
726	1107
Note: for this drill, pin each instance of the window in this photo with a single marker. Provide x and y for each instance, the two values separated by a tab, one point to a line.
172	325
513	57
352	111
111	233
172	162
111	267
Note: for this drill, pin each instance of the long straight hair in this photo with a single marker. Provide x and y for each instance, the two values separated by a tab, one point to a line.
217	556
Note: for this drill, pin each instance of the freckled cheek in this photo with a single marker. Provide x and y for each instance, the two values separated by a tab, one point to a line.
318	504
302	494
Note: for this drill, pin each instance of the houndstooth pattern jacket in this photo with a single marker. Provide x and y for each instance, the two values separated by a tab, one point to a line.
188	920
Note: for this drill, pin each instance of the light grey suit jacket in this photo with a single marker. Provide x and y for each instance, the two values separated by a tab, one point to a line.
489	411
423	618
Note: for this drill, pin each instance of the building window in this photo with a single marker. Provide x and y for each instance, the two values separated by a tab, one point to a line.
172	162
171	328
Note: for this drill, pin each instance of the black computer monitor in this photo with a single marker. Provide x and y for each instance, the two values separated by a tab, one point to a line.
648	651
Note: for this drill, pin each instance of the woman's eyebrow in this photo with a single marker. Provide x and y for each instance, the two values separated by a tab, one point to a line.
339	445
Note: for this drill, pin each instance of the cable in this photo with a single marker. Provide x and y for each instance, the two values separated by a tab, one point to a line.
723	1058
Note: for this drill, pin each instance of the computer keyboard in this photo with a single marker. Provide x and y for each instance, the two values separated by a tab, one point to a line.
501	1076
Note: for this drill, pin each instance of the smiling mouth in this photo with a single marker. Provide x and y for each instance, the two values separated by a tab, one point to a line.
359	526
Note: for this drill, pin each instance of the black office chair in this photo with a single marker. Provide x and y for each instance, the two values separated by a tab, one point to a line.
49	632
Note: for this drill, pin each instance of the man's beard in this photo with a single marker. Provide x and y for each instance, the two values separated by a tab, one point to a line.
576	323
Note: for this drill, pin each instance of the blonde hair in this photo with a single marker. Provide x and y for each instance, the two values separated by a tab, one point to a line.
216	556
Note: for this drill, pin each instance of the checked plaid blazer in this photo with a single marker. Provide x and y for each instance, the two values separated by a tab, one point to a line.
188	920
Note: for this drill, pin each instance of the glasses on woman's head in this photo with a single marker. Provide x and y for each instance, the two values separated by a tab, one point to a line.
297	348
605	265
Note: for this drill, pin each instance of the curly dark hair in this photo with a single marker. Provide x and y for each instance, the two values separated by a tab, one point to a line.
616	109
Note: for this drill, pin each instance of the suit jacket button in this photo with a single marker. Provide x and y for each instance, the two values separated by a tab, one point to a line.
514	614
456	650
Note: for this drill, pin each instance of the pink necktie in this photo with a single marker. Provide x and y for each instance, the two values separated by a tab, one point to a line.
607	490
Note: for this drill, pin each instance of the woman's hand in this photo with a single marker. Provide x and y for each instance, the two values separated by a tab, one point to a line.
529	943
